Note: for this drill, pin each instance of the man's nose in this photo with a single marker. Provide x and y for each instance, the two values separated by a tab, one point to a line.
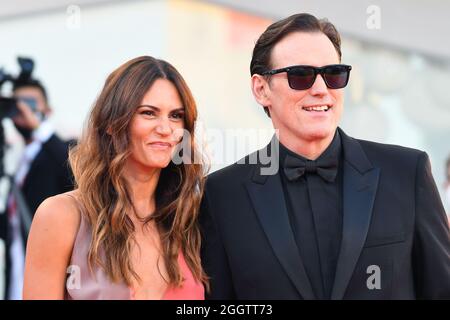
319	86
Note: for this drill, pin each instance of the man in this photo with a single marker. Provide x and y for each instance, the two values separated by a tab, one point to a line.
342	218
42	172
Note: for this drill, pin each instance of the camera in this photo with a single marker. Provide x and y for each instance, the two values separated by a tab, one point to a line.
8	105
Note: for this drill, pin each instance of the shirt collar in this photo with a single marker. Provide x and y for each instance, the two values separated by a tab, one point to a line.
333	150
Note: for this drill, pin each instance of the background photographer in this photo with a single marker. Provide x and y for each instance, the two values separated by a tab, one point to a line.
42	172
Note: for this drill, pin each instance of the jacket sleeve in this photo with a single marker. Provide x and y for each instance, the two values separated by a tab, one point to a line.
214	257
431	247
59	151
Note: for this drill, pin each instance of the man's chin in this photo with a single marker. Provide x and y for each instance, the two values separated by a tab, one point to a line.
315	134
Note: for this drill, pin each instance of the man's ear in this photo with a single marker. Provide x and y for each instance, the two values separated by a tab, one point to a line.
260	88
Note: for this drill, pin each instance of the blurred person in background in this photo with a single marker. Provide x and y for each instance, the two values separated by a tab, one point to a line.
43	171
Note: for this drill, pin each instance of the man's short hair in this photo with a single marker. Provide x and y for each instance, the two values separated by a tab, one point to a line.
301	22
34	83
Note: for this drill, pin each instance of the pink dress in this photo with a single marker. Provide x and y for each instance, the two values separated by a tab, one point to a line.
83	285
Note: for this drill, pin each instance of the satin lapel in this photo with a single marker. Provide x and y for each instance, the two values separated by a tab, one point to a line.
268	201
359	191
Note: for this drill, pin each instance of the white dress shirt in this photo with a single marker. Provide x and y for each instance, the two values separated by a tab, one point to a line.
17	253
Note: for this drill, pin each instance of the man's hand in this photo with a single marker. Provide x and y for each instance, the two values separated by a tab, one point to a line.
27	118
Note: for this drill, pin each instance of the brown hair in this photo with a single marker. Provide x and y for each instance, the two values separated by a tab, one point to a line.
98	161
301	22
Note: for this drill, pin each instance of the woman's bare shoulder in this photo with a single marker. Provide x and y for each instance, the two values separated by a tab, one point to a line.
50	244
60	214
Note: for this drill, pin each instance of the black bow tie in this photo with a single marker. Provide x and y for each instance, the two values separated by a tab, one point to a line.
295	167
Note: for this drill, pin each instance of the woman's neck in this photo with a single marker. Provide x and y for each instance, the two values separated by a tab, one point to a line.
142	182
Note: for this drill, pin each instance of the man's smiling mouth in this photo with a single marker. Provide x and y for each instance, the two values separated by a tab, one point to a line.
322	108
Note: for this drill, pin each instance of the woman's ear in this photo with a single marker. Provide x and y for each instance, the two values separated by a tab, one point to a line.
260	88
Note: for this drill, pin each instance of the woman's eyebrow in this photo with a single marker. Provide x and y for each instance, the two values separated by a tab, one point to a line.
158	109
149	106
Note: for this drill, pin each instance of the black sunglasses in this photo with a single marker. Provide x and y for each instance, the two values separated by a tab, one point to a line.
303	77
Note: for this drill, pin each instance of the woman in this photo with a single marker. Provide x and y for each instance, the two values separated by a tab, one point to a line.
129	230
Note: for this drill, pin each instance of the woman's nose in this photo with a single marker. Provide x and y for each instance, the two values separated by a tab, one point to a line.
163	127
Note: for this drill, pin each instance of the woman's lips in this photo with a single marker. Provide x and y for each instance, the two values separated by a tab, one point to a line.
160	145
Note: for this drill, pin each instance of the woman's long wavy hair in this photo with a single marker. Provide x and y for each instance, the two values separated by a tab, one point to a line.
98	162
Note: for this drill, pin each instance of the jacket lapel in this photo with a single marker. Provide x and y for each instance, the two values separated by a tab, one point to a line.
266	194
359	190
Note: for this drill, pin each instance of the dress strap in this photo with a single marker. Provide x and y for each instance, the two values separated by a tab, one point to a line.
79	205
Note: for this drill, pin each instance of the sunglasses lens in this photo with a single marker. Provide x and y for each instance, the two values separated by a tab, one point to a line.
301	78
336	77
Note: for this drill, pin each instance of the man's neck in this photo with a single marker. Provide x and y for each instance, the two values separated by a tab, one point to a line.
309	149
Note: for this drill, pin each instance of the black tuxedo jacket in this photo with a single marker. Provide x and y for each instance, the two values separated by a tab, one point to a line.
395	237
49	173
